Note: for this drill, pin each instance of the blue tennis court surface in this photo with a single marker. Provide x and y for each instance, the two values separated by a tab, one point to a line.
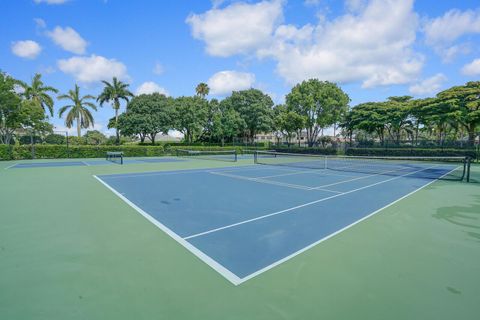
95	162
243	221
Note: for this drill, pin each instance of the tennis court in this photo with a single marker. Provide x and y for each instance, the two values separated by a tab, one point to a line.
286	237
88	162
244	221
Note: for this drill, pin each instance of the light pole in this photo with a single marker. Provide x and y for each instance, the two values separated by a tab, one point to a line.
66	140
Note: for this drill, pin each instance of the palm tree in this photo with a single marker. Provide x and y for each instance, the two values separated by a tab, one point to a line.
202	89
114	92
78	110
38	93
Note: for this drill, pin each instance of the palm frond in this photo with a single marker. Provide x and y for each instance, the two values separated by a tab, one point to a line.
62	110
50	89
91	105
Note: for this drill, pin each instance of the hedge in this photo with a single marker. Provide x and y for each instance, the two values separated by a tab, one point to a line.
411	152
309	150
170	149
44	151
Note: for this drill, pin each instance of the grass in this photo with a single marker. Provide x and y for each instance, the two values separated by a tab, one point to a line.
70	249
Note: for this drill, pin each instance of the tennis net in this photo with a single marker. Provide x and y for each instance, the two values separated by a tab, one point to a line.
220	155
446	168
116	157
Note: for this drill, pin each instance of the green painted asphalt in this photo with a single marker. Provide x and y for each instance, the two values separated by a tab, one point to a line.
71	249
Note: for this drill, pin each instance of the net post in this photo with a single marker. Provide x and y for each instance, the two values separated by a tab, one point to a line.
121	159
236	155
255	154
468	161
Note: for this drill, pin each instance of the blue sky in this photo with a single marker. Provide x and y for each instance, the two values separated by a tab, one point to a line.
372	49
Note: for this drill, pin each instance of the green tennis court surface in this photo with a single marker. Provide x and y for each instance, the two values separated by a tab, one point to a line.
71	249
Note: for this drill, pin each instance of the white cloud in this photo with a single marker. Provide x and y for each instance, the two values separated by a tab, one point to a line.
472	69
373	45
442	32
68	39
450	52
26	49
311	3
428	86
150	87
47	70
158	69
217	3
451	26
93	68
51	1
372	42
224	82
40	23
238	28
355	5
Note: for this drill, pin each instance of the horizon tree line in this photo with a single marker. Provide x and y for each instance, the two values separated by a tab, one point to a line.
309	108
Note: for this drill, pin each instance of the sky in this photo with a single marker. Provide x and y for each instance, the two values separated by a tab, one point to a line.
372	49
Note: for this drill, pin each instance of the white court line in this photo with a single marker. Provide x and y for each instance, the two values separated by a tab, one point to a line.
85	163
357	178
183	171
313	171
288	185
13	165
202	256
295	171
299	206
276	263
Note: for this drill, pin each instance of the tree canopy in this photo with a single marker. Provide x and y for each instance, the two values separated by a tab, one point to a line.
146	116
254	108
190	115
78	110
114	92
321	103
37	92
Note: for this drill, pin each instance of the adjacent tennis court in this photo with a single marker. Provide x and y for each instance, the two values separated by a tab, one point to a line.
89	162
243	221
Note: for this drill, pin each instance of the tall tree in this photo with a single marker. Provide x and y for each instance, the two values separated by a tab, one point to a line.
255	108
321	103
114	92
38	93
10	117
437	117
190	116
146	116
202	90
370	117
94	137
78	111
464	104
288	122
397	116
226	124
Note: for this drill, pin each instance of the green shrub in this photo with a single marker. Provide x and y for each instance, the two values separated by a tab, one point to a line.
170	149
312	150
28	139
45	151
55	138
